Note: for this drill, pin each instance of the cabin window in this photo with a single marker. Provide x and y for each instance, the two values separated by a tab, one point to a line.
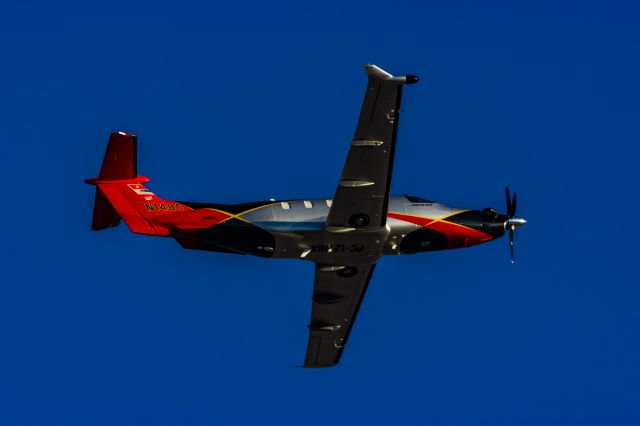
329	202
308	204
285	205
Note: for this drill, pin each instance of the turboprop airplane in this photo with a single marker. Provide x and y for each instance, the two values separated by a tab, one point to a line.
343	236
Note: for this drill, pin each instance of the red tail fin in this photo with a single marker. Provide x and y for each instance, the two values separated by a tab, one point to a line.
120	192
120	162
121	158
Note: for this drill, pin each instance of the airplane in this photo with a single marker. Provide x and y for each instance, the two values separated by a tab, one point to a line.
344	236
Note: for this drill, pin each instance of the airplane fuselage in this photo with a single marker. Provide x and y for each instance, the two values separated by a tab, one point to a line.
296	229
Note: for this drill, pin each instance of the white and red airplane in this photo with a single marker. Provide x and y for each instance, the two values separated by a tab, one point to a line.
343	236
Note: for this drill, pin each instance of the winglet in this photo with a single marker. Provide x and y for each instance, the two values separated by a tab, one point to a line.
377	73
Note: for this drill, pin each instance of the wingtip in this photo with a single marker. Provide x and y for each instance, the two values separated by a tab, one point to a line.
377	73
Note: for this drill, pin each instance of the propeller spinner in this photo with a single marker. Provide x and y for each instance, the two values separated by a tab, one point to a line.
512	222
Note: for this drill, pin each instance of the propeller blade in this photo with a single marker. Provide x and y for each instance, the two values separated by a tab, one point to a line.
512	221
506	190
513	259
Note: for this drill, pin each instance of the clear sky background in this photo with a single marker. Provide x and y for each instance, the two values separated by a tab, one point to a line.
238	102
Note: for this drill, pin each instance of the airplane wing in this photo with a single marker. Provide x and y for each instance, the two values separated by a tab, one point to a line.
337	295
363	189
360	202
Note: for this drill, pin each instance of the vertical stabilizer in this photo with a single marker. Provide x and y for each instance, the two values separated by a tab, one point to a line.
121	158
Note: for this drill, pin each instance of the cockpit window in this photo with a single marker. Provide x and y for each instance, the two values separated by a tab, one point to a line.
418	200
491	212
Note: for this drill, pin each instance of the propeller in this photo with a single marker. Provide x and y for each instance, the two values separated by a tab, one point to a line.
512	222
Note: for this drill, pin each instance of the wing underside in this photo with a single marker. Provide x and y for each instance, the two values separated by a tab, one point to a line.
337	296
366	177
358	214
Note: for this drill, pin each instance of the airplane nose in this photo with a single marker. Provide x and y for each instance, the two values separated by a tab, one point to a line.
514	222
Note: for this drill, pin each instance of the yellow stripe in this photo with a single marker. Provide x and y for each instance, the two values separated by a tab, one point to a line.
237	216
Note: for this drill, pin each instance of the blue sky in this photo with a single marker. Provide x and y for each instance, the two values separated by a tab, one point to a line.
248	102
